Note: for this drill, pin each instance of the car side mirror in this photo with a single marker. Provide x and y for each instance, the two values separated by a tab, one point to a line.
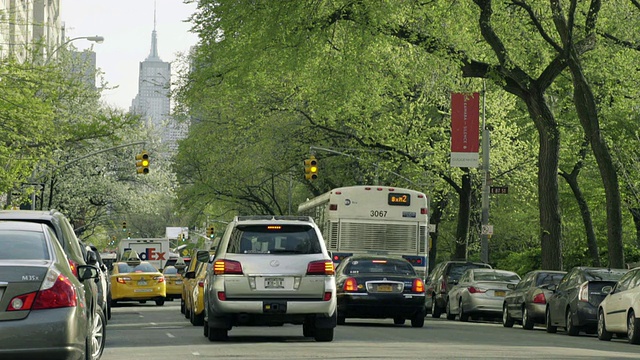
454	282
87	272
511	286
190	275
608	290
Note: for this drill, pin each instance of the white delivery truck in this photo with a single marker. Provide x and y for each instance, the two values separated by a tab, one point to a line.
154	250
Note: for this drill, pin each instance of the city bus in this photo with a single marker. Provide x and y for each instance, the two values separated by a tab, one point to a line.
373	219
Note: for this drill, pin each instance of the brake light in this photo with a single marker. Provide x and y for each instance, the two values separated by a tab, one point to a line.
539	299
74	267
583	295
201	283
418	286
56	291
350	284
122	279
327	296
321	267
443	286
475	290
424	211
221	267
222	296
159	279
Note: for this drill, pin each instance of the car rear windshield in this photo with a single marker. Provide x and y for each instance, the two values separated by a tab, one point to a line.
274	239
456	270
495	276
170	270
142	267
379	267
549	278
604	274
23	245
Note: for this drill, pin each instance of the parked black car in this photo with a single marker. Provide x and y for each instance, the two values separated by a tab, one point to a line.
441	279
575	300
527	302
381	287
104	285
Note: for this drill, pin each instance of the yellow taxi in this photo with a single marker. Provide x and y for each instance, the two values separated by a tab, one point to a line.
192	284
173	279
136	280
196	313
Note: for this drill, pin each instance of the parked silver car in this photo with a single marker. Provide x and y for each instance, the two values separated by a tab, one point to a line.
43	311
527	302
268	271
480	292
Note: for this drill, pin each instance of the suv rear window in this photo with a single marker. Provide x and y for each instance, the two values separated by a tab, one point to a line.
274	239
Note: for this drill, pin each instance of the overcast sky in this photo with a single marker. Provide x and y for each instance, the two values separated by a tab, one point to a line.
126	26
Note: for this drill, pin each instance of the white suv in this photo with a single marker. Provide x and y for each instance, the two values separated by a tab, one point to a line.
268	271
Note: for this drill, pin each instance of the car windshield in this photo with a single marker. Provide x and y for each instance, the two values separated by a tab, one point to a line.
142	267
549	279
495	276
604	274
274	239
23	245
456	270
170	270
379	267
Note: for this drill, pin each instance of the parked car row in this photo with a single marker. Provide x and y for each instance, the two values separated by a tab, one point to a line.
49	290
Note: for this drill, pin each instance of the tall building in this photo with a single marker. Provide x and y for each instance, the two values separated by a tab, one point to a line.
153	100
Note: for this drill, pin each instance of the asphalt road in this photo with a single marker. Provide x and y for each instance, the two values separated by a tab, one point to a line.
146	331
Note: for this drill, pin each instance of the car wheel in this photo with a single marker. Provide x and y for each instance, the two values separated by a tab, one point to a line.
197	320
398	320
571	329
217	334
450	316
507	321
603	334
417	321
97	337
181	306
323	335
435	310
633	328
160	302
527	322
464	317
550	328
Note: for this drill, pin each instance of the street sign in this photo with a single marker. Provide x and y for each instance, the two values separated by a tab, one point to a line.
487	230
499	190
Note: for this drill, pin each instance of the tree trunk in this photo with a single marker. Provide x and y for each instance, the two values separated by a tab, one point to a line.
586	217
635	213
464	214
436	216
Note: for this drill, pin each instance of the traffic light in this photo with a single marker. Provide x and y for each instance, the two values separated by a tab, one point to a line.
210	232
128	235
142	162
124	226
311	168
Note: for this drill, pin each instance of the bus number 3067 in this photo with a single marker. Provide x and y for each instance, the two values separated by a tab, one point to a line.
378	213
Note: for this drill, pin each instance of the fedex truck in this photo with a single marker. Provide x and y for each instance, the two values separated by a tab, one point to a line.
154	250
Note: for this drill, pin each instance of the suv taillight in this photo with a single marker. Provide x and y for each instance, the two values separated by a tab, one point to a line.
418	286
221	267
56	291
321	267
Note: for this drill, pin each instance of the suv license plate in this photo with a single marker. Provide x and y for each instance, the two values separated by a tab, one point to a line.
274	283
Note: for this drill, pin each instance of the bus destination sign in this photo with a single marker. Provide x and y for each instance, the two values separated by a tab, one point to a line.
399	199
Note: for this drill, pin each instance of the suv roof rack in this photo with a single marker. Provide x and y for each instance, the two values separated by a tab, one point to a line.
274	217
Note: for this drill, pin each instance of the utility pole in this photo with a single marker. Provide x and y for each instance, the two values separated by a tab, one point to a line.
486	183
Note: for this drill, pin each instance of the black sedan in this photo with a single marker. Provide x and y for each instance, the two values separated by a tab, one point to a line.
380	287
575	300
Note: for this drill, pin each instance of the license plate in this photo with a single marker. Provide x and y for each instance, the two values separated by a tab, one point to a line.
142	290
384	288
142	283
499	293
274	283
178	282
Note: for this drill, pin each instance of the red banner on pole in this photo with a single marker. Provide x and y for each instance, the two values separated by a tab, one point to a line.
465	129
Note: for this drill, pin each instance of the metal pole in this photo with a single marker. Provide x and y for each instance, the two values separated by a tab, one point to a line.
486	180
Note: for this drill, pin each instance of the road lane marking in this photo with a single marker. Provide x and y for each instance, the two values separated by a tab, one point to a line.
170	335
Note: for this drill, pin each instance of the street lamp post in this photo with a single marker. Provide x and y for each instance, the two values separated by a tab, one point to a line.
95	39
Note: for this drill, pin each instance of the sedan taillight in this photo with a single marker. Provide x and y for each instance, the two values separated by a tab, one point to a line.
321	267
159	279
583	294
221	267
350	284
418	286
56	291
539	299
475	290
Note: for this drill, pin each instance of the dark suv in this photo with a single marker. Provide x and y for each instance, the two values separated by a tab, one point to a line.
77	254
442	278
